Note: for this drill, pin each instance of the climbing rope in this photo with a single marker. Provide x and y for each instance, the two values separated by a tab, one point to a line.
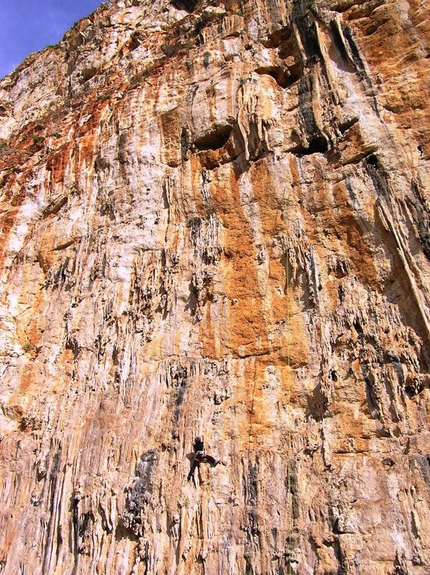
251	410
288	398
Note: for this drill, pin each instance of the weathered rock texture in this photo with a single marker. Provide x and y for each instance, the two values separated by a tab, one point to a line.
215	220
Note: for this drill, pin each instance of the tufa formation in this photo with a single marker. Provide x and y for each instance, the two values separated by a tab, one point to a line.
215	222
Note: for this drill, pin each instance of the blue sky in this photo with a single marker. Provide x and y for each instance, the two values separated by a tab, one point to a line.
30	25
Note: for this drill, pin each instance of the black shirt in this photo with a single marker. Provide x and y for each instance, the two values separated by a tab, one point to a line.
198	445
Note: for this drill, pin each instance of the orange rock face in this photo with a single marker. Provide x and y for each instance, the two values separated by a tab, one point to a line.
215	222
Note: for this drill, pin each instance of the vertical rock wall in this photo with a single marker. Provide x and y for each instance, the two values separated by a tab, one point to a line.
215	221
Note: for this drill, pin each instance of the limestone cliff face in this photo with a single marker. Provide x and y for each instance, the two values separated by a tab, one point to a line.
215	220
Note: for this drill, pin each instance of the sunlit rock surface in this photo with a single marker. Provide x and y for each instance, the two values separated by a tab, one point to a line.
215	221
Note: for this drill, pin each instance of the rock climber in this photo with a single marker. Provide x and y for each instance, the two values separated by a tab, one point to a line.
200	457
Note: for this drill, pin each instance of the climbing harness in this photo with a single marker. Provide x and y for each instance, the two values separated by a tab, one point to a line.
199	456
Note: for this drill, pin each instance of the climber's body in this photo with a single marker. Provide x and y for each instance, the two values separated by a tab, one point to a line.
198	445
200	457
